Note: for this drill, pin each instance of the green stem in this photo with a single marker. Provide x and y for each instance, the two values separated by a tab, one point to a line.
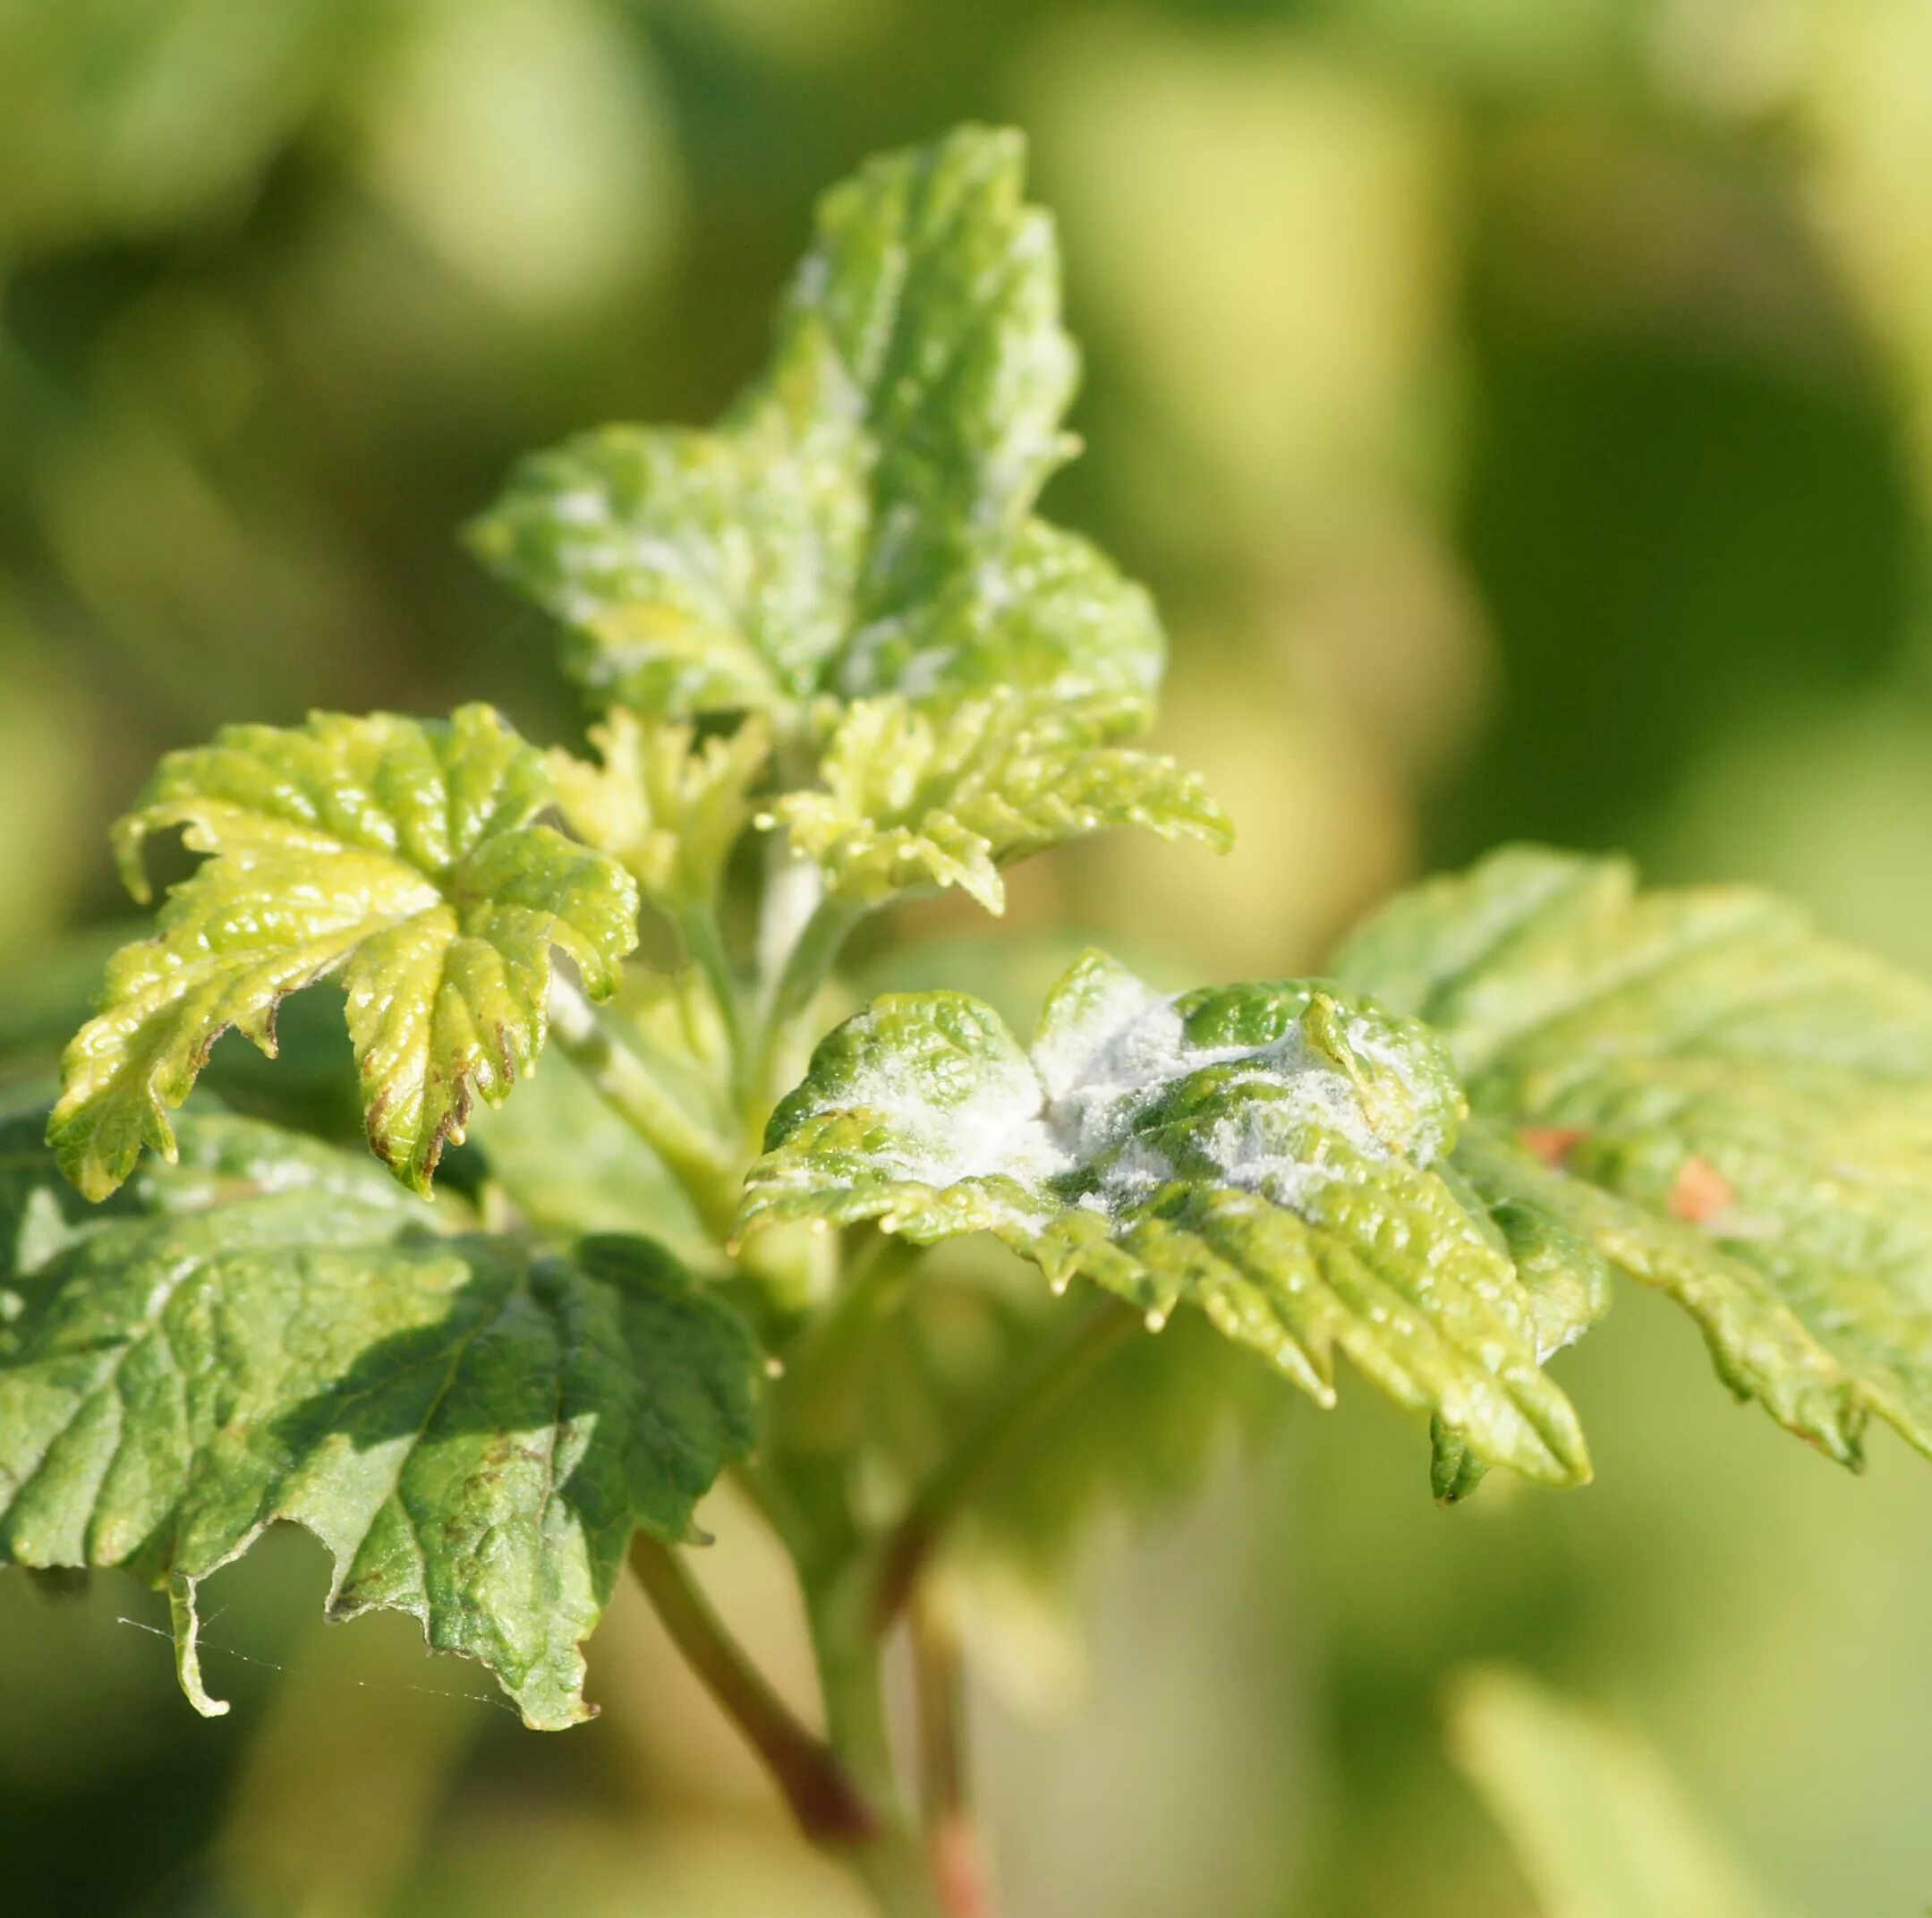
1006	1422
704	942
705	1165
892	1864
807	967
953	1840
830	1808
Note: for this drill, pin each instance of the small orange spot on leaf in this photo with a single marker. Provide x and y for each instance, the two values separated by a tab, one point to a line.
1700	1192
1552	1144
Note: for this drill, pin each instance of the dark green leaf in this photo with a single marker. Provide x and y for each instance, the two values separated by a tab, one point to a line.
271	1330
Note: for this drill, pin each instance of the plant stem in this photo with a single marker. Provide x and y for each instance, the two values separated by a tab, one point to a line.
807	967
819	1400
828	1806
989	1442
705	1165
705	944
958	1857
892	1864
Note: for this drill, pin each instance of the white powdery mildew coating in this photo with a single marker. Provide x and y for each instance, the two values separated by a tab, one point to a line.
1124	1046
998	1129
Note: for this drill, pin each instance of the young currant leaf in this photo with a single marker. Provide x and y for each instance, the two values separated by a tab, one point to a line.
397	851
268	1332
1268	1153
912	801
669	810
1596	1823
1697	1088
861	521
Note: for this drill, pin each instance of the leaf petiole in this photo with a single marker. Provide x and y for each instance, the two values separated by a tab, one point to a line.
705	1165
704	945
828	1807
807	965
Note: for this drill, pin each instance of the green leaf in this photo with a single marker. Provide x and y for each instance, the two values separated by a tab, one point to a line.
666	809
913	802
269	1332
1697	1088
1267	1152
398	852
860	522
1596	1822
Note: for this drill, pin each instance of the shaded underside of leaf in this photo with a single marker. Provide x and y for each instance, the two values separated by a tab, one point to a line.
271	1332
1265	1152
1697	1086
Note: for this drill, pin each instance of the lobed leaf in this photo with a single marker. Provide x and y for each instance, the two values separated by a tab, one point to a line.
912	801
1267	1152
397	853
861	521
668	809
268	1332
1697	1088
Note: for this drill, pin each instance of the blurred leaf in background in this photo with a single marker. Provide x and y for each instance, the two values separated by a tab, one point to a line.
1596	1824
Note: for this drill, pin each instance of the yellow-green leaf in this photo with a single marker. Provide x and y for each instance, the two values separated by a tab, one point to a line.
861	522
666	807
1596	1822
912	801
399	853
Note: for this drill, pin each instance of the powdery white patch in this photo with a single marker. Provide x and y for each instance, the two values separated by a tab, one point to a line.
1092	1007
990	1125
1111	1046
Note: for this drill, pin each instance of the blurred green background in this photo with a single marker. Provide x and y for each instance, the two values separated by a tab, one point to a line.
1523	410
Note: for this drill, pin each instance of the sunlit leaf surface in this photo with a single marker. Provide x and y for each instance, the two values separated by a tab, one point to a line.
1697	1088
1268	1153
668	809
399	853
913	802
861	520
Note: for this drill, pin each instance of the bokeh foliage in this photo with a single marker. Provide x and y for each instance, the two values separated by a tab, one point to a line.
1523	415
